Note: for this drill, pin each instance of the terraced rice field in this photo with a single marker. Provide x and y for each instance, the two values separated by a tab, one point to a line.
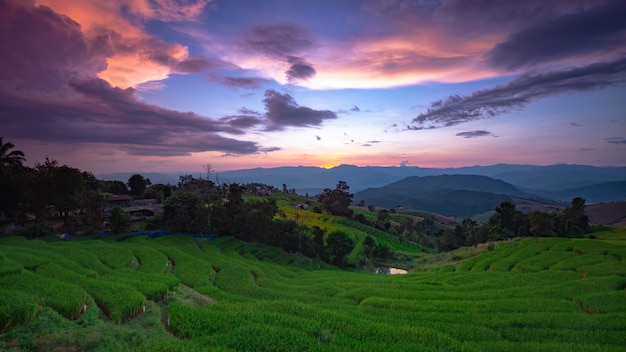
184	294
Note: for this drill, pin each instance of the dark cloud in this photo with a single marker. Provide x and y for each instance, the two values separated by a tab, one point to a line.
96	113
616	140
269	149
246	119
318	138
462	16
474	134
598	29
49	92
197	64
404	163
244	82
283	42
355	109
279	40
574	124
299	69
283	111
487	103
42	49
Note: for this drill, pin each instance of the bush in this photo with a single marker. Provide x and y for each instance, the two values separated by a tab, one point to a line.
37	230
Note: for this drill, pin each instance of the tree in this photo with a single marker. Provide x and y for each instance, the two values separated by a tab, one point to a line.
338	200
12	182
10	160
541	224
185	212
575	220
115	187
119	221
339	245
138	185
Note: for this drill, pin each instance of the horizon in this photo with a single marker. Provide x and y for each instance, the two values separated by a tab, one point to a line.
161	86
213	171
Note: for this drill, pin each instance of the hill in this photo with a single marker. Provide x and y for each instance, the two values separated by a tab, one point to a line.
450	195
313	180
596	193
613	213
178	293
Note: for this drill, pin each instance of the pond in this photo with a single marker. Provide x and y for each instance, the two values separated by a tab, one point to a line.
389	270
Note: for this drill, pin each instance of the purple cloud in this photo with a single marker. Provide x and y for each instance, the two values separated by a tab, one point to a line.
474	134
616	140
299	69
278	41
43	49
283	111
488	103
596	29
244	82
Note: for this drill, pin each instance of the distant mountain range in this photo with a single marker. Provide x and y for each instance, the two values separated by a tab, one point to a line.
555	182
450	195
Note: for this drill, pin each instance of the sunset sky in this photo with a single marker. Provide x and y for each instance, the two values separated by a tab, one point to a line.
170	85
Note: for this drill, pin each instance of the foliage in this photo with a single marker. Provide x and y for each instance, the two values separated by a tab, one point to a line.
119	221
36	230
184	211
138	185
338	200
339	245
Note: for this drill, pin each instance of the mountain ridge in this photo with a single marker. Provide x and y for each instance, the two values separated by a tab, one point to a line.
313	180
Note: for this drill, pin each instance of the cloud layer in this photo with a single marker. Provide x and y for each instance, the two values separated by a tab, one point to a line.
50	89
488	103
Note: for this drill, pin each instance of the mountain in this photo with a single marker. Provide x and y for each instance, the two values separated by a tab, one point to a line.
558	177
313	180
597	193
451	195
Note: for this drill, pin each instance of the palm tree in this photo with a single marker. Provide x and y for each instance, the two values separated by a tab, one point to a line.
10	159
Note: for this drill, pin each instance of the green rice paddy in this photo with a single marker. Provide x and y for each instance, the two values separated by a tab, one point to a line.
177	293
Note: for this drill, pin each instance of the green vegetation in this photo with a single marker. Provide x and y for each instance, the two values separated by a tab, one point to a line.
228	295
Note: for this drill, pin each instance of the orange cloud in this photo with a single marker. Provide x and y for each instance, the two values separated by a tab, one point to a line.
139	57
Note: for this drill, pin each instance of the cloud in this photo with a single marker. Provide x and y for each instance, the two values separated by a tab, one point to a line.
318	138
137	56
599	29
404	163
244	82
355	109
474	134
283	111
278	40
488	103
43	49
299	69
616	140
96	113
49	89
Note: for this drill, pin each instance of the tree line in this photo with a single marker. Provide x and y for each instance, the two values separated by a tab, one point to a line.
199	205
77	199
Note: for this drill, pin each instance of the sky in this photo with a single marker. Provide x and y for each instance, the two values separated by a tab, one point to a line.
173	85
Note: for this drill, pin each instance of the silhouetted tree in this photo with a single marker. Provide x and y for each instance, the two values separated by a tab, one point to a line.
576	222
12	180
541	224
138	185
338	200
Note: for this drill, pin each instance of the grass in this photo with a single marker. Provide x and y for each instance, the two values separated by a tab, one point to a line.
227	295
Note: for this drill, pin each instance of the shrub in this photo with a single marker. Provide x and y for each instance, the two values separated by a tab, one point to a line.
36	230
